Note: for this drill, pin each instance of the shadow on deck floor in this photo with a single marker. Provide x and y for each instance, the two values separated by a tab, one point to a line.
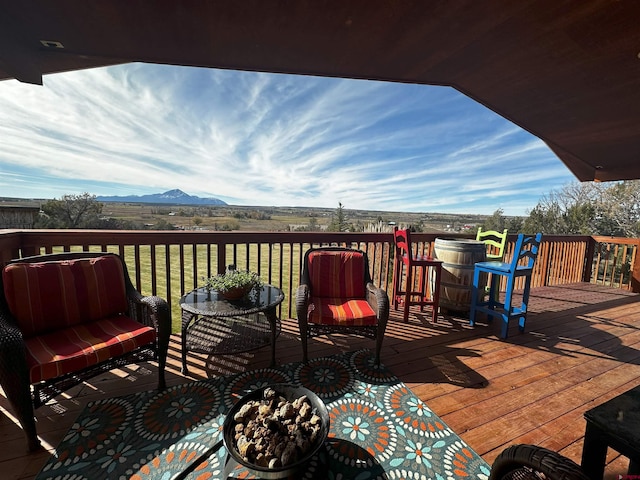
581	347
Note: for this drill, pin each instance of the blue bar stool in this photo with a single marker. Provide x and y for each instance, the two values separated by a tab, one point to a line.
521	265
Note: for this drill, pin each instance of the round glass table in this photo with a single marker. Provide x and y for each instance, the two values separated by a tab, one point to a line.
214	325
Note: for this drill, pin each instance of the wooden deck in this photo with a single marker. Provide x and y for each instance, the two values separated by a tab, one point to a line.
581	348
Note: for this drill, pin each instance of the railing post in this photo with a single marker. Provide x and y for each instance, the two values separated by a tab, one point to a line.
222	258
635	269
588	267
546	262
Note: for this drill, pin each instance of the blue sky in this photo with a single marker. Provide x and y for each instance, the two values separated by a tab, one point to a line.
267	139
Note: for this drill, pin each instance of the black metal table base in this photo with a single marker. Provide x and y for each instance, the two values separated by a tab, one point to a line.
215	325
228	335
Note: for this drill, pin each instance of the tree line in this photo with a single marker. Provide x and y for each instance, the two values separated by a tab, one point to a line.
588	208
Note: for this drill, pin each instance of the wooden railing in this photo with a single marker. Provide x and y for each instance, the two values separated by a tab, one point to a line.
615	262
170	263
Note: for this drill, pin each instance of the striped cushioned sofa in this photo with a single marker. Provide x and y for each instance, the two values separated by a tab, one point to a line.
67	317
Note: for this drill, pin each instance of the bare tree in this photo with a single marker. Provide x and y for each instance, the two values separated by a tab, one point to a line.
71	211
589	208
620	209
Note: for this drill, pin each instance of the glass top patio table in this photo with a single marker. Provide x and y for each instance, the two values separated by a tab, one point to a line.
218	326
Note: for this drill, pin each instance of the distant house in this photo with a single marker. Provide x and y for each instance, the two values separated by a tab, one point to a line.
18	217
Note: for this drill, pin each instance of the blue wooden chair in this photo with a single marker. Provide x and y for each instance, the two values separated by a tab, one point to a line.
521	265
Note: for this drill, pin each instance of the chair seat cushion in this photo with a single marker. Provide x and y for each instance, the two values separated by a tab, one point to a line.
341	311
74	348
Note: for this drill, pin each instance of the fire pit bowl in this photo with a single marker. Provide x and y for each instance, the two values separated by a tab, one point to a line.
289	393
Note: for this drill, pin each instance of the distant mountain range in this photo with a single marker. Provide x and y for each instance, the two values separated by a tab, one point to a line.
172	197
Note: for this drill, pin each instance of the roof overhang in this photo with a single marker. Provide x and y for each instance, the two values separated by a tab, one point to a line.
568	71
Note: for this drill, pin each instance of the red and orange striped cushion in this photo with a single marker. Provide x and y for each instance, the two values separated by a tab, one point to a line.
340	311
337	274
71	349
47	296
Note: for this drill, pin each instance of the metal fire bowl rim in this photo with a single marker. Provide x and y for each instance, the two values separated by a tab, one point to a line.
290	392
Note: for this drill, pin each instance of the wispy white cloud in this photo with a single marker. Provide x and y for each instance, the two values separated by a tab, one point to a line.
267	139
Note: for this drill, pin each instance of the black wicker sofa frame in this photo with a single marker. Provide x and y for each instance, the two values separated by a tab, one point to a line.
150	311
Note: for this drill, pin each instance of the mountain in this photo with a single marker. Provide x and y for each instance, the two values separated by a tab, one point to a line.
172	197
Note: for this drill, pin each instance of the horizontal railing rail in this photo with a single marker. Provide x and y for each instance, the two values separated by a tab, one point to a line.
171	263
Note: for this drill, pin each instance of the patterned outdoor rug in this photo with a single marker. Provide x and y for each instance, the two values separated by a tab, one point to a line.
379	428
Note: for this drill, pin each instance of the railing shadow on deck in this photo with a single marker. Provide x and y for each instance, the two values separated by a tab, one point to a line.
579	321
575	322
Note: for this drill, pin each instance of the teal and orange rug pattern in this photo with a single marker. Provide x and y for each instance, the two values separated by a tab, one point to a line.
379	429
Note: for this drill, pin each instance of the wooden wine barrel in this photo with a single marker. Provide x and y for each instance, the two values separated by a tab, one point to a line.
459	255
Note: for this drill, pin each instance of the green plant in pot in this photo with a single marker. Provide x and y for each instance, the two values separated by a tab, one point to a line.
234	284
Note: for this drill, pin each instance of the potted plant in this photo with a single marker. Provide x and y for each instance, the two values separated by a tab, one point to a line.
234	284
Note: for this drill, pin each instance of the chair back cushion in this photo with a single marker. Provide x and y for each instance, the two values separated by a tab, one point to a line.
337	274
47	296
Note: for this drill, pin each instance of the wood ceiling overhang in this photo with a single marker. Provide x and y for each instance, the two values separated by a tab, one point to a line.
568	71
